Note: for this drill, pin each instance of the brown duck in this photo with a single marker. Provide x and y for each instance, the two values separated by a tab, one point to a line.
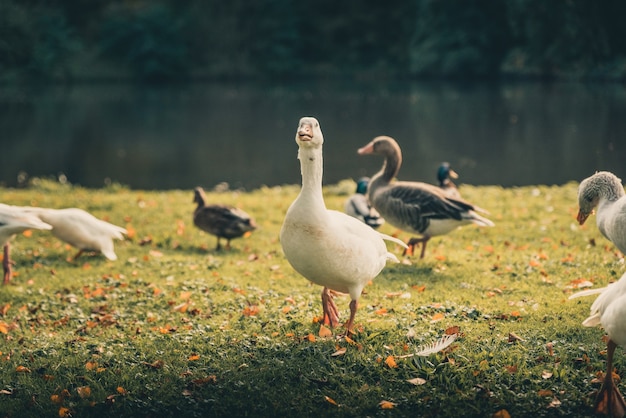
223	221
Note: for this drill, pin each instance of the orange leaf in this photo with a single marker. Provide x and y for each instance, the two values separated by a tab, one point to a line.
194	357
330	400
311	338
325	332
121	391
391	362
4	309
65	412
251	310
503	413
28	233
84	391
56	399
386	405
91	365
185	295
22	369
381	311
437	317
4	328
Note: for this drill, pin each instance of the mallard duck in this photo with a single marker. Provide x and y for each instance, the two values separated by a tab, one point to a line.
604	190
415	207
328	247
358	207
81	230
223	221
14	220
609	311
445	174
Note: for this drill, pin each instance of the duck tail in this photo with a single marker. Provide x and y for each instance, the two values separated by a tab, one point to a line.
480	220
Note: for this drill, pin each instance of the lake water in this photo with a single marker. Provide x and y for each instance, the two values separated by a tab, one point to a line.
181	136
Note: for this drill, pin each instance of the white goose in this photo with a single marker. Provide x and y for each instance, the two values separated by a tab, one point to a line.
14	220
609	311
415	207
605	191
328	247
81	229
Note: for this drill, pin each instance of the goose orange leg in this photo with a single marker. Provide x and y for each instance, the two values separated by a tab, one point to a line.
610	401
353	307
331	313
411	246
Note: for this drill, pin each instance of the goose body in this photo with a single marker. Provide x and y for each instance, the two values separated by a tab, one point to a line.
328	247
445	174
81	230
359	207
223	221
604	190
609	311
13	220
415	207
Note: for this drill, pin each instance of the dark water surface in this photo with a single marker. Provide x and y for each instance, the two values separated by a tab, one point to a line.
180	136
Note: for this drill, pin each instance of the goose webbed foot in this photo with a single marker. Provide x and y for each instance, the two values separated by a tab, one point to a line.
413	242
610	401
331	313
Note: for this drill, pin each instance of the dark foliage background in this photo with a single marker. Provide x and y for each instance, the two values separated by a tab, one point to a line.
170	39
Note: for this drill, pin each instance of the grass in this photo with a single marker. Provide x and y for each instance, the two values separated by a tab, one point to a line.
174	328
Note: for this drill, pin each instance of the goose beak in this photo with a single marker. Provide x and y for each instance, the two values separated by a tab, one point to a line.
582	217
305	132
368	149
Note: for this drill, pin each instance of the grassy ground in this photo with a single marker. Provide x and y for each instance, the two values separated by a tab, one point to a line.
174	328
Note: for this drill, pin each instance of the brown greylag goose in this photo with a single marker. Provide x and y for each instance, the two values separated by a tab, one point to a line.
223	221
415	207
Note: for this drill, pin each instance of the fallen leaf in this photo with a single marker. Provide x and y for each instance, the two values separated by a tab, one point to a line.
391	362
330	400
194	357
418	381
437	317
546	374
91	365
325	332
84	391
545	392
387	405
503	413
121	391
22	369
339	352
65	412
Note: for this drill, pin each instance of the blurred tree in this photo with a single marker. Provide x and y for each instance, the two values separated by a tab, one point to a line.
459	38
148	38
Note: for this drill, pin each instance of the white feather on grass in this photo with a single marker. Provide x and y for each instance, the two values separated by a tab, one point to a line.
432	348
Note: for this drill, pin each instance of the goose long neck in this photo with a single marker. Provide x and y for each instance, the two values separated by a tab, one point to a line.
389	170
312	169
